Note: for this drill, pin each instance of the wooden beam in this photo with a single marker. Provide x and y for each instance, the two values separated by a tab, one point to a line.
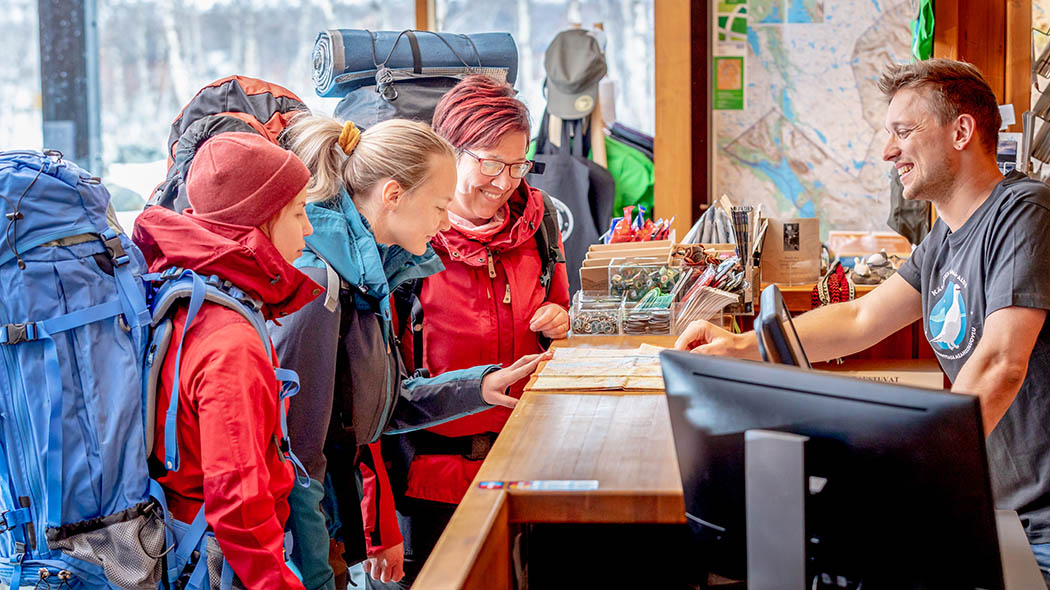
1018	57
946	30
426	15
675	127
974	31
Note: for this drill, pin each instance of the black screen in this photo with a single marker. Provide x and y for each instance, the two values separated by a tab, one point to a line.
907	502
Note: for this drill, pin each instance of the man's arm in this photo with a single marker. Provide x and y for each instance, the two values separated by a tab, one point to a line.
827	332
997	367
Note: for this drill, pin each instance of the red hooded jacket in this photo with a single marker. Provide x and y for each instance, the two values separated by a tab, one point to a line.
229	414
477	312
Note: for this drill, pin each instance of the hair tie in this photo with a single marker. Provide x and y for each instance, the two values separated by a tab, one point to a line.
349	137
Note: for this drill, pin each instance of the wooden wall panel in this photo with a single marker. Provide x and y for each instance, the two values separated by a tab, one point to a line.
995	36
1018	90
673	150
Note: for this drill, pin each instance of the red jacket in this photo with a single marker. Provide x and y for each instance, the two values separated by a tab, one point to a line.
471	317
228	412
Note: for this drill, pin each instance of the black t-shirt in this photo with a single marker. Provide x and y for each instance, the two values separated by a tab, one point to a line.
999	258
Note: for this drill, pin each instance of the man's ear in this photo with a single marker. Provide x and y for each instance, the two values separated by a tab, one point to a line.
391	193
965	131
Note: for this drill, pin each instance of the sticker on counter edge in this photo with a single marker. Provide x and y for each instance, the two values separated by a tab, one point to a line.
492	485
555	485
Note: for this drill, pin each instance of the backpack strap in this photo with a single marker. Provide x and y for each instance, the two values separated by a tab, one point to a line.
547	243
186	283
14	334
410	309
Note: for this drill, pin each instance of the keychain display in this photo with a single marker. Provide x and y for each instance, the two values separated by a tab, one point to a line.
633	281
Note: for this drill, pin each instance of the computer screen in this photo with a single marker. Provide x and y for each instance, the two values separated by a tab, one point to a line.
778	342
906	500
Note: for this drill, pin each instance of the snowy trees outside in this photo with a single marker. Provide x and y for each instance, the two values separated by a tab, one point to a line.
155	54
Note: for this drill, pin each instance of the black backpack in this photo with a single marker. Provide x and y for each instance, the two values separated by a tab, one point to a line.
235	103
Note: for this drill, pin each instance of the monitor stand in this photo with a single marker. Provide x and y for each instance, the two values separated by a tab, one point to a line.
775	490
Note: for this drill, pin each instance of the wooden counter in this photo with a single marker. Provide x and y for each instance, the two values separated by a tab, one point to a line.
622	440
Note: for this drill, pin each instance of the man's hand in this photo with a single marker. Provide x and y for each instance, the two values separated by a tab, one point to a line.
551	320
495	384
703	337
387	565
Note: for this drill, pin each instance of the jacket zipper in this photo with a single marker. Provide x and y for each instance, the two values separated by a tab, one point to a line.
388	406
22	441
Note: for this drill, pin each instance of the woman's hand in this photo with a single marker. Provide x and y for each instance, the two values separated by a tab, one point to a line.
387	565
551	320
495	384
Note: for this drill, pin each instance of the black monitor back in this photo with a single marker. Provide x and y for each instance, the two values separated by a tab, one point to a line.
907	503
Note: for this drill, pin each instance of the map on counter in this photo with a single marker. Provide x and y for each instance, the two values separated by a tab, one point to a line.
809	141
601	369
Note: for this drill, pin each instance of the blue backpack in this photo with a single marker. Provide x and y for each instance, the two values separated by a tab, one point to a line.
83	334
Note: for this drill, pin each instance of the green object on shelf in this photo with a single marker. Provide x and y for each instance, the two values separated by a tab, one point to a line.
922	31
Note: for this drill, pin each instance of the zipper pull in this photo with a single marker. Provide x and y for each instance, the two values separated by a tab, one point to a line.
506	296
24	502
492	266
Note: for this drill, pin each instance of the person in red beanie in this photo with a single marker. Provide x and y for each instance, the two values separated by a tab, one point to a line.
247	223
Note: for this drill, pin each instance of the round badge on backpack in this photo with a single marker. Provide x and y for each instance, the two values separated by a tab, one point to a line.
584	103
565	219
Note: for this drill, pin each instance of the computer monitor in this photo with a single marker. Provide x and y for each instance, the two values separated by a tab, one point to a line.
778	341
897	490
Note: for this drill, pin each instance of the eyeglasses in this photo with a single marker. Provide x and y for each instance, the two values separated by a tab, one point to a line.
491	167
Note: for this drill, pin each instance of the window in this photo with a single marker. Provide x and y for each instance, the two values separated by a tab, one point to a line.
20	78
155	55
629	52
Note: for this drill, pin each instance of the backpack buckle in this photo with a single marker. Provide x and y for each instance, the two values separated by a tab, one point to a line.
12	518
115	250
284	447
172	272
18	333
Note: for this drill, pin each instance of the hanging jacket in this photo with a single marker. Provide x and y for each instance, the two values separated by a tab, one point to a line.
229	418
478	311
353	383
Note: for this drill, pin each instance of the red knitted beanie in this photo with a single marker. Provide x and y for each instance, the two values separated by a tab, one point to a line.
243	179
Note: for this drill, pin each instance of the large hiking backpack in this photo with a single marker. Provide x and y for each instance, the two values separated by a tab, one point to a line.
236	103
84	331
403	74
75	502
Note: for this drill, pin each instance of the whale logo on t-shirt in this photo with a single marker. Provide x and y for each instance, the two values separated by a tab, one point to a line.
947	323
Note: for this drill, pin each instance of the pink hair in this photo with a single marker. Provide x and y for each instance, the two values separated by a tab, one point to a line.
479	112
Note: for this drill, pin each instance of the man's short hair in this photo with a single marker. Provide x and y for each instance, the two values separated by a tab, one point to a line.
956	88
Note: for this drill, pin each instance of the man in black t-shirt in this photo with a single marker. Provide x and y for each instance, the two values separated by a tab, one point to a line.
980	281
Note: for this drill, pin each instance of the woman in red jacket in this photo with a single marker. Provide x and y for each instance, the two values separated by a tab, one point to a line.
488	306
246	225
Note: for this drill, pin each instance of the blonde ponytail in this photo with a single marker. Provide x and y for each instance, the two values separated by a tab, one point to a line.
315	140
395	149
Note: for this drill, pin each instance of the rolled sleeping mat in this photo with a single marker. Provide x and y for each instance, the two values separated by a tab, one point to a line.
347	59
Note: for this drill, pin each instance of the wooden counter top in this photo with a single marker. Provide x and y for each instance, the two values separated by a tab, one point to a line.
622	440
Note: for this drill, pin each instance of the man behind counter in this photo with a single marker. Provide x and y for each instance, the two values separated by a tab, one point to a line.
980	281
